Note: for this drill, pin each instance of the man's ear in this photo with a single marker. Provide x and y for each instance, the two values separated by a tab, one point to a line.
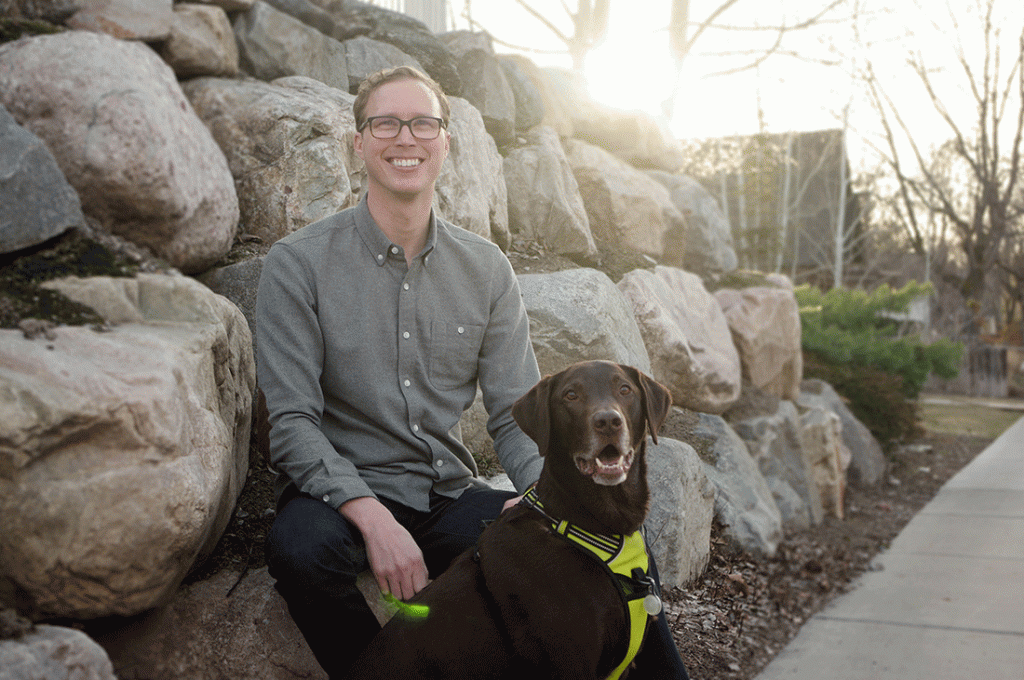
533	414
357	145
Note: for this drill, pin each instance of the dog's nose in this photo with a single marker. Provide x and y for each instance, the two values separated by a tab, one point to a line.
607	422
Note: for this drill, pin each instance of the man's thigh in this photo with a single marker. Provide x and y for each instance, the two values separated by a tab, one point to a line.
455	525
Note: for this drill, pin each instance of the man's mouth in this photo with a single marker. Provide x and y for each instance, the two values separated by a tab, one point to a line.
608	468
405	162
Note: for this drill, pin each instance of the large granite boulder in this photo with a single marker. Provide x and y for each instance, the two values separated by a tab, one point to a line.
687	337
484	84
544	203
127	140
272	44
471	191
743	501
682	508
775	443
626	208
707	241
122	449
148	20
577	315
868	465
54	653
822	444
289	147
36	202
765	325
201	42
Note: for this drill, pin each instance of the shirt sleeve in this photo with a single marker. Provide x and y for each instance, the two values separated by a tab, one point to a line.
290	351
507	370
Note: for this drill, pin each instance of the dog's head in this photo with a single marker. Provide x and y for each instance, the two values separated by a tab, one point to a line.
596	415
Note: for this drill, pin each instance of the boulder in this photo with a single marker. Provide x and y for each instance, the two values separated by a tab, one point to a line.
822	444
577	315
544	203
289	147
868	465
148	20
127	140
765	325
122	449
775	443
682	507
626	208
272	44
529	103
707	247
201	43
484	84
743	501
470	191
353	19
238	282
53	11
366	56
54	653
36	202
229	626
687	337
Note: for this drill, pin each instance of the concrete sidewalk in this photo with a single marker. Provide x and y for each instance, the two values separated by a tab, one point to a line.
948	601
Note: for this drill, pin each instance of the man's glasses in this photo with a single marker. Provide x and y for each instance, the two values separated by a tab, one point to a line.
389	127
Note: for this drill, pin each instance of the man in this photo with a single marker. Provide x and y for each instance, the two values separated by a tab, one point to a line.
374	327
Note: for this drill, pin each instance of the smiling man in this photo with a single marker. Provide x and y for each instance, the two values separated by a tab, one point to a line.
374	328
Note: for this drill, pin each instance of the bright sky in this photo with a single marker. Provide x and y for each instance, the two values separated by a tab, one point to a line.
633	68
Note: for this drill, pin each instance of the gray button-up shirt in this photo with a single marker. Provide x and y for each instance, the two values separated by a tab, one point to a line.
367	364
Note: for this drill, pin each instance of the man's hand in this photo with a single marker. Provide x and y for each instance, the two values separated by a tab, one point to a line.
395	559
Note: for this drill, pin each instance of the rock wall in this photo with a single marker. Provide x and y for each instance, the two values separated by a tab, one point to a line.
198	135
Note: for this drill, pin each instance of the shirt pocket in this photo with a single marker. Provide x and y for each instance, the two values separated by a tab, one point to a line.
454	353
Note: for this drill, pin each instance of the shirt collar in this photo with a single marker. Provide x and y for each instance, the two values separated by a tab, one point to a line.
380	246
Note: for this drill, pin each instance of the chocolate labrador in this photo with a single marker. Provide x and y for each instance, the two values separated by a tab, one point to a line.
536	599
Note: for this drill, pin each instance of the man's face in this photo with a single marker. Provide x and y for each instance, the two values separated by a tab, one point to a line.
403	166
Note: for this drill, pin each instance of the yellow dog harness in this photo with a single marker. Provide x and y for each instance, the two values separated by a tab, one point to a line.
625	557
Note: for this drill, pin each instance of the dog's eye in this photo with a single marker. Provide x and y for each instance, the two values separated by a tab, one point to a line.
625	389
570	395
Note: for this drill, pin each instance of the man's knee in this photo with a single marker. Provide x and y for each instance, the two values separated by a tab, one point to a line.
310	544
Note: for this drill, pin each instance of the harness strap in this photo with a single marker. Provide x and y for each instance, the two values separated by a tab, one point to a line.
626	561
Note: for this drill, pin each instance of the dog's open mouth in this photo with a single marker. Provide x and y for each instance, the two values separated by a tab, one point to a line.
608	467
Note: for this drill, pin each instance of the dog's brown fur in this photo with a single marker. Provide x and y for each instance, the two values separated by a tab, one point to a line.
527	604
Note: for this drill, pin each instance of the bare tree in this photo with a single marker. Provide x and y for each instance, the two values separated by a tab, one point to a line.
970	182
589	22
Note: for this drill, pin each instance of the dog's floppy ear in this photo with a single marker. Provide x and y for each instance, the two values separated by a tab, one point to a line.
655	397
532	412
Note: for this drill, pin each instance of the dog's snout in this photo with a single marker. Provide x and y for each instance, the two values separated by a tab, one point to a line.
607	422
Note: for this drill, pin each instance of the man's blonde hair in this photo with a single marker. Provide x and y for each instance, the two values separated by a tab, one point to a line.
389	75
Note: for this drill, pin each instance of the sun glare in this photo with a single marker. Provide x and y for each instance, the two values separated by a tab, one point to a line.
633	75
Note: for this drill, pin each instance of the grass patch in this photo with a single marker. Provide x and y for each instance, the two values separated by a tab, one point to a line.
958	415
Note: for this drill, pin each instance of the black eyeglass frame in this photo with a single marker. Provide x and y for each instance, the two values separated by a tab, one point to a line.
441	125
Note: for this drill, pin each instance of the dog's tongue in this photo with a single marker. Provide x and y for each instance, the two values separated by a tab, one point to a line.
608	468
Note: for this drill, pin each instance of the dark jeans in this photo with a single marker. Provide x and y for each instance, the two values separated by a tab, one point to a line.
315	555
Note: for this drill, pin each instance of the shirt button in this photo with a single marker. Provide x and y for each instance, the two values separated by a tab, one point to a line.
407	383
415	428
406	286
327	498
405	335
394	250
380	258
440	463
461	330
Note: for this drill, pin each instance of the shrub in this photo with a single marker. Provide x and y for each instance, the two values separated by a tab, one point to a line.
851	341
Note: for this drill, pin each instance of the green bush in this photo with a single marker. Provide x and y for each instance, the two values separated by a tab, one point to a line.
849	342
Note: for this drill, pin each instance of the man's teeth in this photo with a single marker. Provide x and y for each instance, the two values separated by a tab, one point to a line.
405	162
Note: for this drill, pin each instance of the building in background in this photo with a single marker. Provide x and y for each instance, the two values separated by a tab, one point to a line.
433	13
